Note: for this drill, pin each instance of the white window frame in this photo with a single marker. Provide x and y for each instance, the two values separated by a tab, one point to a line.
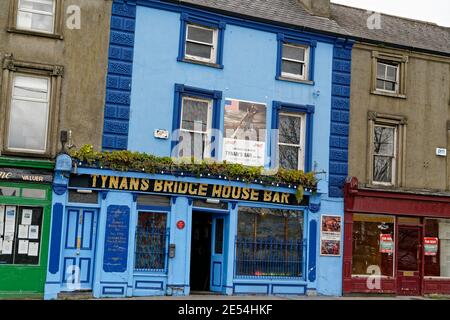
304	62
213	45
207	133
33	11
301	146
47	101
397	76
394	156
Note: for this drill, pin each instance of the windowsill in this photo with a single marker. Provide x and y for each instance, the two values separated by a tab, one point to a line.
389	94
44	156
207	64
307	82
372	276
36	33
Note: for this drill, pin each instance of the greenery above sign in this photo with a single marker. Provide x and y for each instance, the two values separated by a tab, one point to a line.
135	161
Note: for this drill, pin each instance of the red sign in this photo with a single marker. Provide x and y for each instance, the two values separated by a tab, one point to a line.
386	243
431	246
180	224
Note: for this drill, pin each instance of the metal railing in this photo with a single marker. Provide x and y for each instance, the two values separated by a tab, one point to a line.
151	249
269	258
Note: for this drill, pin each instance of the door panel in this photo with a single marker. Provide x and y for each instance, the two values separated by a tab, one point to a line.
409	261
79	249
217	254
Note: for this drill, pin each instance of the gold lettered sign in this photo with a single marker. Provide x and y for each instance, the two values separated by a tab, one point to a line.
204	190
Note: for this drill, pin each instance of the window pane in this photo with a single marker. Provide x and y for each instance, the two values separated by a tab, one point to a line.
292	67
31	88
382	169
384	140
151	239
200	34
198	50
289	157
195	115
391	73
389	86
380	84
192	145
438	265
381	71
40	5
292	52
28	125
367	231
33	193
9	192
289	129
408	243
34	21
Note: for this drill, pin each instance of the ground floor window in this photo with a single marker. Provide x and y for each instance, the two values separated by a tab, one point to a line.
20	234
373	244
151	242
437	248
269	243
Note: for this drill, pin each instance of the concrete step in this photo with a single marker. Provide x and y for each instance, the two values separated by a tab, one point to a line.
76	295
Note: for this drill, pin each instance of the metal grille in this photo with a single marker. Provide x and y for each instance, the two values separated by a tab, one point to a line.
151	249
269	258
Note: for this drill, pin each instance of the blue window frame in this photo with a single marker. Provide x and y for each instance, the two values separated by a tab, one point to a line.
307	61
202	25
281	107
182	91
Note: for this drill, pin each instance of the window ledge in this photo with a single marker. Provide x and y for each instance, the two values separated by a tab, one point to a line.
36	33
307	82
43	156
207	64
388	94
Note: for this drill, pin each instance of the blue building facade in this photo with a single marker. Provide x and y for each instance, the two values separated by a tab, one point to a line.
174	70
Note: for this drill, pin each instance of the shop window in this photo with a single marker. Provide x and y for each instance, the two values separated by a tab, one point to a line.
38	17
9	192
389	74
437	248
269	243
373	244
151	242
34	193
30	91
20	235
387	134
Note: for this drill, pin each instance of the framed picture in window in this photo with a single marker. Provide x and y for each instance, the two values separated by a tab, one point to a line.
330	235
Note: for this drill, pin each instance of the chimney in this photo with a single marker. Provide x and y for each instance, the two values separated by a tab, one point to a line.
319	8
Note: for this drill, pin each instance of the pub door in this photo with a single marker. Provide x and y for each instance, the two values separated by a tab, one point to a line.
217	249
79	249
409	261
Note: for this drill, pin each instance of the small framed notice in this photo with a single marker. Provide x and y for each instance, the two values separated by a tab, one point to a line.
330	235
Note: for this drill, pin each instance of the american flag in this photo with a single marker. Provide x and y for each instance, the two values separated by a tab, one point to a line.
231	105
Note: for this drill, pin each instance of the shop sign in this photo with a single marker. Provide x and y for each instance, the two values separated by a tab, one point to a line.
25	175
192	189
431	246
330	235
116	239
180	224
386	243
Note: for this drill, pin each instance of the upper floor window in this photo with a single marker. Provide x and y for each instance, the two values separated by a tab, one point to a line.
36	15
201	41
389	74
294	61
291	140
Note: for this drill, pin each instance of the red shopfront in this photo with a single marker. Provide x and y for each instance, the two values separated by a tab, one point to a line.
395	242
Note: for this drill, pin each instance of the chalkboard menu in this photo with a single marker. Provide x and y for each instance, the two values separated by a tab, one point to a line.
116	239
20	234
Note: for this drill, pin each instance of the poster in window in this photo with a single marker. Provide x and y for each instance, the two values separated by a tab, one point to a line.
10	220
2	219
330	235
244	132
431	246
386	243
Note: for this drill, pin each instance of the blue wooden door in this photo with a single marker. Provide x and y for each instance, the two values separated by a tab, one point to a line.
217	253
79	248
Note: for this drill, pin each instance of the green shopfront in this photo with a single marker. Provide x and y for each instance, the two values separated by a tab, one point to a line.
25	207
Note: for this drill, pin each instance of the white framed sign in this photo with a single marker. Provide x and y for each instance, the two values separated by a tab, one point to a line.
330	235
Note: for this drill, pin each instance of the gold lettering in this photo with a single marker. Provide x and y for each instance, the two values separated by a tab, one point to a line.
276	197
158	186
134	184
236	193
144	184
113	182
217	190
245	193
267	196
168	185
94	180
202	190
254	195
182	188
192	189
226	192
104	178
124	184
285	198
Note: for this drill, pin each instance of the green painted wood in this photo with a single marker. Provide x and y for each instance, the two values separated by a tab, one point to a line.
26	163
